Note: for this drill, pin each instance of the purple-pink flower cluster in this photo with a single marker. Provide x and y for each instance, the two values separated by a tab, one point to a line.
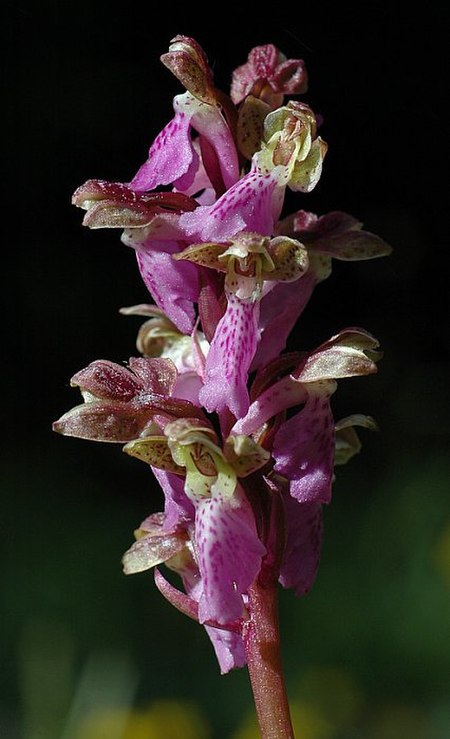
239	434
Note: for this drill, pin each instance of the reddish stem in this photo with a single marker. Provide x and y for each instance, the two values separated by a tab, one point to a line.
262	645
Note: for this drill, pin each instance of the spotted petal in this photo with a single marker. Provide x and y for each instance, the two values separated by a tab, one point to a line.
111	421
154	450
347	440
304	451
229	358
229	554
252	204
244	454
171	156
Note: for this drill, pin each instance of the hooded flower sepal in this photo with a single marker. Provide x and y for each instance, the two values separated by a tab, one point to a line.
248	259
153	545
158	335
187	61
268	76
195	459
208	468
121	404
190	447
290	142
116	205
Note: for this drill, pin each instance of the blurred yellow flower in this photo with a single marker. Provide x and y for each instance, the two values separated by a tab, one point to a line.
307	723
168	719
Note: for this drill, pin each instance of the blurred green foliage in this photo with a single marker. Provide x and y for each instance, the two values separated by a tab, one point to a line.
86	648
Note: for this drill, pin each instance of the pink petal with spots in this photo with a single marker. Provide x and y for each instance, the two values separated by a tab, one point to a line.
253	204
229	555
280	309
229	358
303	543
173	285
304	451
284	394
171	156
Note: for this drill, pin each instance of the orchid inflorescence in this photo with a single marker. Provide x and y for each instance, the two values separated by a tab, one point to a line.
239	435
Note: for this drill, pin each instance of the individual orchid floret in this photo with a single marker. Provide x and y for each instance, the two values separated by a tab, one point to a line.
304	445
290	140
335	235
227	547
121	404
248	260
155	544
268	75
173	157
290	155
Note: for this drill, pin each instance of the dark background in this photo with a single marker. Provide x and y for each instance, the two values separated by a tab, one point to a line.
367	653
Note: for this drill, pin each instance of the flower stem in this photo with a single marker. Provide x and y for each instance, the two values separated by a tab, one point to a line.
262	645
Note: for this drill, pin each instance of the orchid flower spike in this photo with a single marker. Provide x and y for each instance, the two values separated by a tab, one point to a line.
239	434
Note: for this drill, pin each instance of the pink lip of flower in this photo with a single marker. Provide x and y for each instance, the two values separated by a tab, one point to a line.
172	157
